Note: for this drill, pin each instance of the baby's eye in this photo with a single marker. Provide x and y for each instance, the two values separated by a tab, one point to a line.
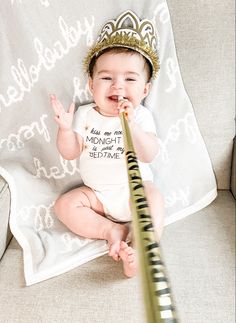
130	79
108	78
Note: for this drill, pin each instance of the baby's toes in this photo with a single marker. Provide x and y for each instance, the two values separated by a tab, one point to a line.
129	251
114	251
131	258
123	247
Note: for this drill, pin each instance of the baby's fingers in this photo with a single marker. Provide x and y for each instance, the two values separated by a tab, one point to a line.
71	108
56	104
124	104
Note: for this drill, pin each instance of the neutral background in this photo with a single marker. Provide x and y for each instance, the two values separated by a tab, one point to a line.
205	42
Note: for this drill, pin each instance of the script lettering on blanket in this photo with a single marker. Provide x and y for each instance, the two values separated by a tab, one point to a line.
69	240
25	79
81	94
68	167
39	214
180	195
171	71
185	128
17	141
163	12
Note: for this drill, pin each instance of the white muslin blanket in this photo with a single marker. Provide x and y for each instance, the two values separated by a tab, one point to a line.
43	44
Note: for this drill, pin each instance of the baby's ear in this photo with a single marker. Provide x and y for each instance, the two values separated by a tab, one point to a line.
90	83
147	89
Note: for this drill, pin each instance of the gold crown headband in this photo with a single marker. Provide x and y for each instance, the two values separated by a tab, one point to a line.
130	32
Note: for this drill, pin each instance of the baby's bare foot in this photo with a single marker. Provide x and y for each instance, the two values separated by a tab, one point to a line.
128	256
118	233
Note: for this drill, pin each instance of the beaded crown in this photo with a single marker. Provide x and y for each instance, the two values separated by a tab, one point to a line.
131	32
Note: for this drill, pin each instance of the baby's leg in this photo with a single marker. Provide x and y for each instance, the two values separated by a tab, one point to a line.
82	212
156	206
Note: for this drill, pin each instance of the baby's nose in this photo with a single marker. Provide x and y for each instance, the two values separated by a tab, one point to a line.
117	83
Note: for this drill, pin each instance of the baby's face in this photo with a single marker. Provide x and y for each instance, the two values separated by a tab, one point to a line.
118	74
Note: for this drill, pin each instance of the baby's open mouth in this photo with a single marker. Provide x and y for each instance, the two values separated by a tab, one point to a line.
115	97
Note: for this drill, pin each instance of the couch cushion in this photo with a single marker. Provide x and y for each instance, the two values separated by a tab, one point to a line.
204	37
200	258
233	172
5	234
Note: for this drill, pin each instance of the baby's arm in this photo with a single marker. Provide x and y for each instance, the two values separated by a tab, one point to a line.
145	143
69	143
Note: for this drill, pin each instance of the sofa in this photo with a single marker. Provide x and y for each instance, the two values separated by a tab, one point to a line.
198	250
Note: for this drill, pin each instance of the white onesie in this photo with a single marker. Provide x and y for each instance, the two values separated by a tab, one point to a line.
102	161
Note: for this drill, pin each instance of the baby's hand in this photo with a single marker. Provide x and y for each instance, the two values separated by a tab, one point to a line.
63	119
126	106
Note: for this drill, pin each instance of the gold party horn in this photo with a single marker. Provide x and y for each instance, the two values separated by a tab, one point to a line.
157	295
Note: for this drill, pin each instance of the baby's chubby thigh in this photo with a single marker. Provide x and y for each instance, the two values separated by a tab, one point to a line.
82	196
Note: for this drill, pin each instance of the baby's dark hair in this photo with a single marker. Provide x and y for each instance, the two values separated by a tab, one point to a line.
119	50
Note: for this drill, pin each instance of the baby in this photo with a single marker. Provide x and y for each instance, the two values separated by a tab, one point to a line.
119	79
